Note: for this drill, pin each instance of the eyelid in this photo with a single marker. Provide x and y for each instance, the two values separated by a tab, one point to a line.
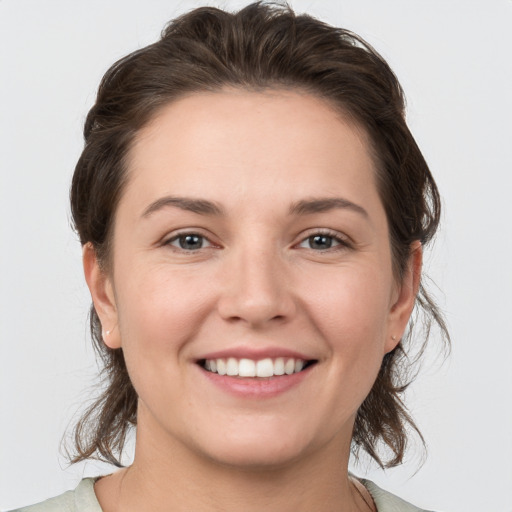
205	242
175	235
343	240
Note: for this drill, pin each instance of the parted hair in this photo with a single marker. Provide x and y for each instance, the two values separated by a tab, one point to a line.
263	46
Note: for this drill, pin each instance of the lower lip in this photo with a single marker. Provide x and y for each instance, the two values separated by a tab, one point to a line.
248	387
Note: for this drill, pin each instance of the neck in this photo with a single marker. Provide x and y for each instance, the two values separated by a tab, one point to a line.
168	476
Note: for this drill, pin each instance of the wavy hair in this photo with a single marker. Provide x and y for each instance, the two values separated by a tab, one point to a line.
263	46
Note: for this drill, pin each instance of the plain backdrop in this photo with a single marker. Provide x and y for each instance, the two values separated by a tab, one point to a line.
453	59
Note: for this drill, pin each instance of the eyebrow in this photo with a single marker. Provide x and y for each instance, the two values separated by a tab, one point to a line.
319	205
205	207
200	206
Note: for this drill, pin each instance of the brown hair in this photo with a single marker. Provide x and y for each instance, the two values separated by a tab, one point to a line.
262	46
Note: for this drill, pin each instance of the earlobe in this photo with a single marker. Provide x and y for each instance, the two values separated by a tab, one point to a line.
404	304
102	294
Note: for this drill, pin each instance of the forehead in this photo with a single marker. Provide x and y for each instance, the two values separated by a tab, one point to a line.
273	114
236	143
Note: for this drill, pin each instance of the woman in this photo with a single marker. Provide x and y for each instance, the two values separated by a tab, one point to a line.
253	210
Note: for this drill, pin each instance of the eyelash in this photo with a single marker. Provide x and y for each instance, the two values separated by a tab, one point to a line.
182	235
341	242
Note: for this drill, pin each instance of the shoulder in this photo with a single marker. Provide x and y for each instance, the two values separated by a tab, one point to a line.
82	499
387	502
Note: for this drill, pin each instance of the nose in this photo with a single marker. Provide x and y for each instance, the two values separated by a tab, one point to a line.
256	288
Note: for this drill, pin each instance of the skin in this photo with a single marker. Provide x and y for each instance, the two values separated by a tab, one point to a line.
257	282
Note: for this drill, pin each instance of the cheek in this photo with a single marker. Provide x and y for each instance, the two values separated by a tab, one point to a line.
353	299
159	311
350	309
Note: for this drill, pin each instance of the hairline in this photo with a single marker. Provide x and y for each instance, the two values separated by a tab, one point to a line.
343	113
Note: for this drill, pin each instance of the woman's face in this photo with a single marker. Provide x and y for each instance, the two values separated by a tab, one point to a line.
250	239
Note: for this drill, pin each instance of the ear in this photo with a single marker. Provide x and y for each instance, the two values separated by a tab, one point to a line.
405	298
102	293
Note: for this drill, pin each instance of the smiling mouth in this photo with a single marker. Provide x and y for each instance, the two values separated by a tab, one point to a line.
262	368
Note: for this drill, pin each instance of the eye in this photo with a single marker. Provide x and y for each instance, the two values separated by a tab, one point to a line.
322	242
189	242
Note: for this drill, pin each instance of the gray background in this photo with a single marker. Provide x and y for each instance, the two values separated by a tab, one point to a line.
453	59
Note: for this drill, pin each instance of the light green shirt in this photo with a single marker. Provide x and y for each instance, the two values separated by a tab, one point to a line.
83	499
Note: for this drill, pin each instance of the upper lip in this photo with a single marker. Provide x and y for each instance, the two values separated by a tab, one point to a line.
255	354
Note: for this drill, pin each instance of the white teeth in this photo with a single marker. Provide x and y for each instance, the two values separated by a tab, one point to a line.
248	368
265	368
221	366
279	366
232	366
289	366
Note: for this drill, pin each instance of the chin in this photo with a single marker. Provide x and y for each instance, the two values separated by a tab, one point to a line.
259	449
253	458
